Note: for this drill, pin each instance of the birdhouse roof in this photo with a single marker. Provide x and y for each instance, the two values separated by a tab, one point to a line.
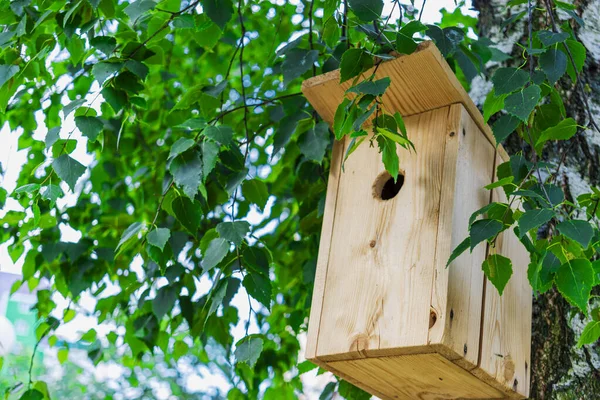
421	81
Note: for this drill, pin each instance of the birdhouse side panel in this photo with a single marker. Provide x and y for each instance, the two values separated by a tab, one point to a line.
381	258
457	293
335	171
506	333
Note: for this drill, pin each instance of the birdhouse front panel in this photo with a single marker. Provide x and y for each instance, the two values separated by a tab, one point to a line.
387	314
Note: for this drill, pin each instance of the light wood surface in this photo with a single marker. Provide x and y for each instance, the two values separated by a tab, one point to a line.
386	314
506	334
380	267
457	290
423	82
410	377
324	246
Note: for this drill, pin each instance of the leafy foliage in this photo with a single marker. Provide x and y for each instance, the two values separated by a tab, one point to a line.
176	135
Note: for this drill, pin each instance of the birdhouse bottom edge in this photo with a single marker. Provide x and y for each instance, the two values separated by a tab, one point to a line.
434	373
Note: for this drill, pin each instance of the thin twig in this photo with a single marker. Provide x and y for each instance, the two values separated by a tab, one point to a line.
310	33
422	9
345	30
50	327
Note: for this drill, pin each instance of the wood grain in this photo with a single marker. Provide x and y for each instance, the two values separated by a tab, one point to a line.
382	252
424	376
457	290
324	246
421	82
506	334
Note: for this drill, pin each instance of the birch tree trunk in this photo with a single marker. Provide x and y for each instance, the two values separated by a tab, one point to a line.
559	369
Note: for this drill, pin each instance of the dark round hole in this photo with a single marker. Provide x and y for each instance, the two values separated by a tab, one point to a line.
391	188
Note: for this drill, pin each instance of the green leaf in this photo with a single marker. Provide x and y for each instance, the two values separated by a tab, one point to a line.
117	99
492	104
447	39
522	103
350	392
186	169
29	188
549	38
579	53
534	218
89	126
297	62
257	259
69	108
405	44
590	334
563	131
366	10
413	27
136	9
68	169
554	64
259	288
104	69
7	72
339	118
219	11
507	80
210	155
374	88
504	126
51	193
180	349
188	213
234	231
216	251
138	68
314	142
32	394
217	296
306	366
159	237
248	350
181	145
574	280
498	270
106	44
130	233
500	182
185	21
222	134
484	229
577	230
164	301
464	245
354	62
63	355
256	192
389	156
331	32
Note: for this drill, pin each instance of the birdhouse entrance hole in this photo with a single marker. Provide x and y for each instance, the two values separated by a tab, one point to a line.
385	188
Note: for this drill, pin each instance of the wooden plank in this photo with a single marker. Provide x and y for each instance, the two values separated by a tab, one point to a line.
324	246
457	290
378	284
506	334
421	82
424	376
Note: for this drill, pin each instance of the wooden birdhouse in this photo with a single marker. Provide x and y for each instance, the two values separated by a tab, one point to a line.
387	315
